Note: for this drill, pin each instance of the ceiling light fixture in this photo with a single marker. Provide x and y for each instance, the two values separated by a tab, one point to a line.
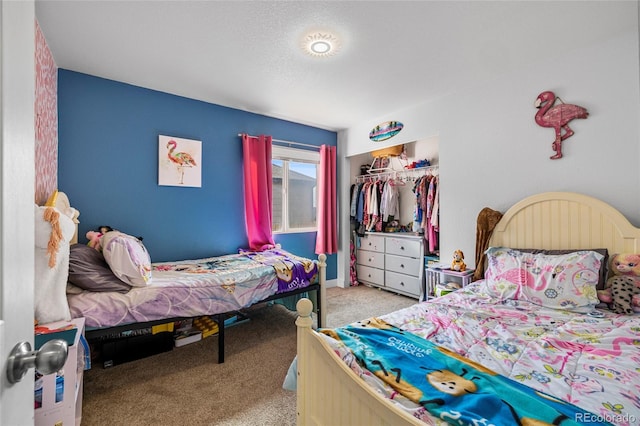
321	44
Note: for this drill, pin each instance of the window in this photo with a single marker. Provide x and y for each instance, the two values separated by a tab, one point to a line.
294	188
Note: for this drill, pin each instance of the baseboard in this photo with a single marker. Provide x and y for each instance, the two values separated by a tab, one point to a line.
330	283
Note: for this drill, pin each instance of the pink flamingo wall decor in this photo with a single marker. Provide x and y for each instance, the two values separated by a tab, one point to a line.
180	159
557	116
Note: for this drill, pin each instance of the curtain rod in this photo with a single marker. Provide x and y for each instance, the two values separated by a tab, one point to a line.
287	142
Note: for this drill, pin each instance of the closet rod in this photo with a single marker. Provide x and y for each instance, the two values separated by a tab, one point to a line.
397	173
287	142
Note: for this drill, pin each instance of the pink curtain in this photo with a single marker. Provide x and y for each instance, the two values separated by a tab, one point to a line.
327	238
257	191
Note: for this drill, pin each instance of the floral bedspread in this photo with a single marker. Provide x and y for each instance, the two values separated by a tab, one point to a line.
591	362
187	288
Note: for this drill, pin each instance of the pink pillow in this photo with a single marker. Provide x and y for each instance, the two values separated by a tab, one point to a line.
563	281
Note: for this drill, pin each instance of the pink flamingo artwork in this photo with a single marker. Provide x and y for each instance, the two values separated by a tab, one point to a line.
557	116
180	159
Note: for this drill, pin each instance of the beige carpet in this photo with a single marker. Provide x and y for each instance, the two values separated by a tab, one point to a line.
186	386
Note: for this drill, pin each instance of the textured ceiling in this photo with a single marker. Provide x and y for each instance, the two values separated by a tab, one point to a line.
247	55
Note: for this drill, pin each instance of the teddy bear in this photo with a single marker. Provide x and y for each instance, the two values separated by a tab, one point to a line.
458	261
622	289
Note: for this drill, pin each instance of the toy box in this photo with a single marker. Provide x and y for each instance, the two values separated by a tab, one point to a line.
58	396
63	330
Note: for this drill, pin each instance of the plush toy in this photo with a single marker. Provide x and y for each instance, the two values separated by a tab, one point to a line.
623	286
95	237
458	261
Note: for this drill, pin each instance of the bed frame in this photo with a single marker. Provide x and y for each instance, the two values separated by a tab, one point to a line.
328	392
60	201
320	289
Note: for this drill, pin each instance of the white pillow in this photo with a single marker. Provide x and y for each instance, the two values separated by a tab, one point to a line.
127	257
51	282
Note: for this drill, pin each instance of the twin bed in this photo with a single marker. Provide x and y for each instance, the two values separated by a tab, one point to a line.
118	290
525	345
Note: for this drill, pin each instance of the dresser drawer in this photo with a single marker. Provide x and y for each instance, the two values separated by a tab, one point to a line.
372	243
404	265
403	247
370	275
401	282
370	258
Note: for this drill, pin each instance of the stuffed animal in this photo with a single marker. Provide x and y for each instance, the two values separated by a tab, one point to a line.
458	261
95	237
623	286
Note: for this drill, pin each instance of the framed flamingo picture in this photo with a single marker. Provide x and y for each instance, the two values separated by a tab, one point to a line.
179	162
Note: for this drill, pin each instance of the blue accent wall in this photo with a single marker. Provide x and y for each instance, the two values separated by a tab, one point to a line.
108	165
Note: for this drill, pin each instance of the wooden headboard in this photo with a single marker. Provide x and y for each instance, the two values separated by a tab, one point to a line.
565	220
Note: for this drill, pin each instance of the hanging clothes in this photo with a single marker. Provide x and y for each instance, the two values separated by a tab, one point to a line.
353	276
417	210
375	203
426	210
379	188
390	202
430	229
373	207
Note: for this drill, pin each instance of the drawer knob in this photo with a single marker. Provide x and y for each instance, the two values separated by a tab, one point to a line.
401	247
402	284
370	259
401	265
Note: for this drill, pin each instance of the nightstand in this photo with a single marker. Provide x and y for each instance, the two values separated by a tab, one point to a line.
436	275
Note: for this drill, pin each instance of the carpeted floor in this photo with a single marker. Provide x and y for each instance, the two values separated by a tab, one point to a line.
186	386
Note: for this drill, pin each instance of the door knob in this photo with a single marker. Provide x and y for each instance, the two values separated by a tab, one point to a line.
48	359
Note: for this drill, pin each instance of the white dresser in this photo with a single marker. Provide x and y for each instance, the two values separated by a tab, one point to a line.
392	261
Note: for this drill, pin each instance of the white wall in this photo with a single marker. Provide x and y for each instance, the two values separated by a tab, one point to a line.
492	153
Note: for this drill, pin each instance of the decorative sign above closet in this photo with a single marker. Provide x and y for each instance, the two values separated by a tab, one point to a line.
386	130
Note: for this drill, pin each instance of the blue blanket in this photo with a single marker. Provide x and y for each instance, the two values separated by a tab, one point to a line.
448	385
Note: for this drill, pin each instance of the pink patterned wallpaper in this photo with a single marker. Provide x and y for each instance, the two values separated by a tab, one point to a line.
46	125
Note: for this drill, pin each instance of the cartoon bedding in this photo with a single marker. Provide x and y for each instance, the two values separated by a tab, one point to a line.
492	353
191	288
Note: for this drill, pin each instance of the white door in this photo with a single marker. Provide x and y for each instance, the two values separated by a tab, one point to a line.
17	187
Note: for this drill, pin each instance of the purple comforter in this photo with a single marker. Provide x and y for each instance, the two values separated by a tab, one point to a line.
192	288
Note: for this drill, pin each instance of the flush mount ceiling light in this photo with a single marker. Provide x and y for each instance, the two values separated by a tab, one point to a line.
321	44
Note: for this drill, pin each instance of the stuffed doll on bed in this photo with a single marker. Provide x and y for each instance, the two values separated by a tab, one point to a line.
622	289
